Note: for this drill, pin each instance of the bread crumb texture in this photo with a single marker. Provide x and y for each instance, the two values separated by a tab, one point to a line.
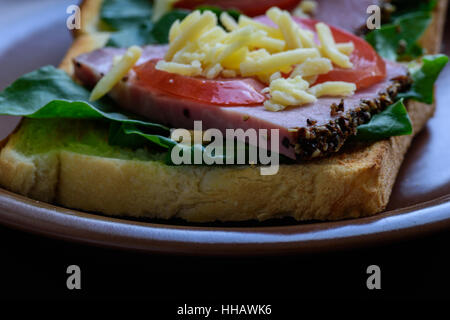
352	184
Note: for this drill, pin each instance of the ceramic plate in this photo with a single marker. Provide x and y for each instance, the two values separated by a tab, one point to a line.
420	202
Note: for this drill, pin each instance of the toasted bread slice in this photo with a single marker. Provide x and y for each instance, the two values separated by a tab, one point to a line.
350	184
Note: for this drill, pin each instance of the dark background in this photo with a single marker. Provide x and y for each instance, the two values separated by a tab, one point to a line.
34	267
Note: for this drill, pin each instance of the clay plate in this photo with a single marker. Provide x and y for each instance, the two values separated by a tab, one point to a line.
420	202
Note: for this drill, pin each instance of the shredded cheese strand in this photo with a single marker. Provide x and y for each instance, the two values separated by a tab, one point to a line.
117	72
198	46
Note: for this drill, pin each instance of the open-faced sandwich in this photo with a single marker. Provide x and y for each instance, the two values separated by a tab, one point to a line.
228	111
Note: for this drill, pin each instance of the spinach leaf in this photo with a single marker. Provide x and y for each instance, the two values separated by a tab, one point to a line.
50	93
134	136
394	121
160	31
130	21
218	11
144	32
424	79
409	6
140	34
119	14
398	41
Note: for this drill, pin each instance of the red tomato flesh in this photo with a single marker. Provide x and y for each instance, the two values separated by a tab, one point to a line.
368	69
223	92
249	7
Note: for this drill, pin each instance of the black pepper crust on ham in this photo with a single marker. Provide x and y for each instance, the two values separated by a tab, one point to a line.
305	132
316	141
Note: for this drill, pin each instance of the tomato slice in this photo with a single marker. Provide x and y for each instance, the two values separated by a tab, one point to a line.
368	67
223	92
249	7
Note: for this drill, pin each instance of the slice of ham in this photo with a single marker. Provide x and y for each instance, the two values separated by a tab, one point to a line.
294	123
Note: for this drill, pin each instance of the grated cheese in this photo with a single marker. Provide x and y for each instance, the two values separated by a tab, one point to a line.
215	34
213	72
272	45
229	73
234	60
117	72
191	32
228	21
288	92
312	67
346	48
237	40
285	57
193	69
271	32
174	30
116	59
275	76
311	79
305	8
329	48
308	6
333	88
287	26
277	61
271	106
160	8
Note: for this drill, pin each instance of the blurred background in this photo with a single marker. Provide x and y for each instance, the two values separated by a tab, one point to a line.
17	18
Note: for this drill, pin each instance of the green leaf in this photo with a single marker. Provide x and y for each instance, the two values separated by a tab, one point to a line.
394	121
398	41
218	11
131	21
160	31
122	14
50	93
424	79
139	35
409	6
134	136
